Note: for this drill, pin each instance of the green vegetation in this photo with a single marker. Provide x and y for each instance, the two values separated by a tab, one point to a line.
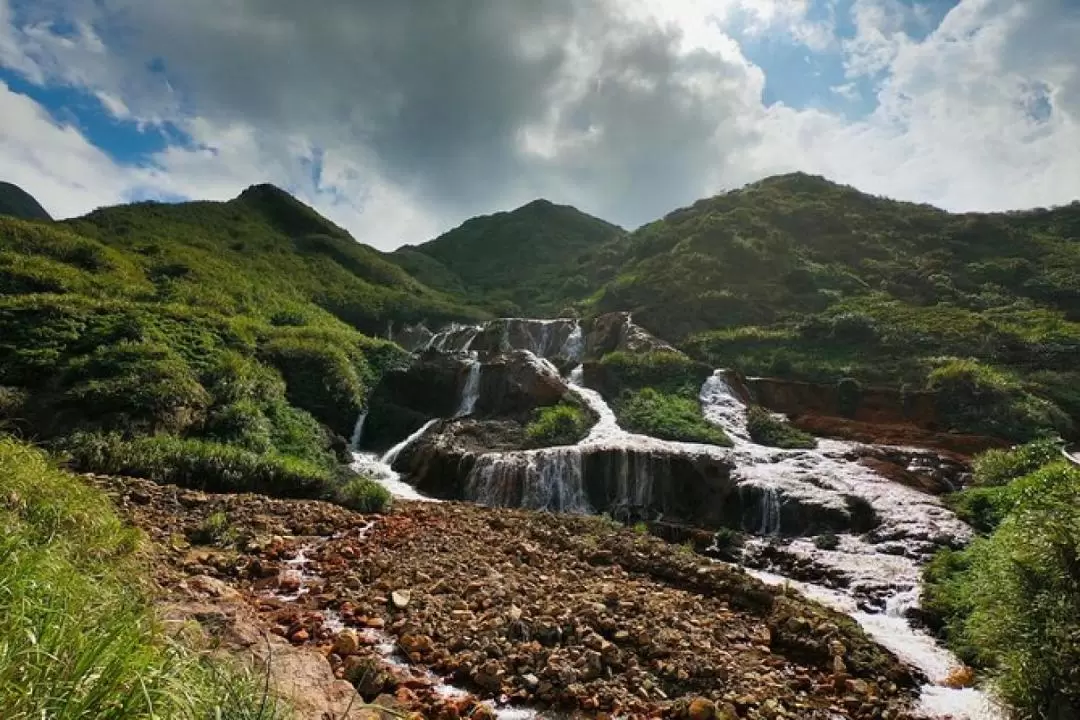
562	424
78	640
16	202
363	495
1010	602
994	468
213	344
534	261
656	393
767	429
668	417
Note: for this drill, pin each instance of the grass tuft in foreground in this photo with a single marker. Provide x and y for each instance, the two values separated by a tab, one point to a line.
77	639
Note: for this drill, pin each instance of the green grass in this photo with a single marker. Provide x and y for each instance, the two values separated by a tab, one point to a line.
562	424
363	495
668	417
77	639
765	429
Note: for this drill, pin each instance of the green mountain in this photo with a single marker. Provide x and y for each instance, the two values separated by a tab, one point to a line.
16	202
200	342
798	277
528	262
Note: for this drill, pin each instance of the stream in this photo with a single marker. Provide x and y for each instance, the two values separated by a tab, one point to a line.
881	570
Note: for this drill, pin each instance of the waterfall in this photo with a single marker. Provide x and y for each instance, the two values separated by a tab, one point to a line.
770	512
358	430
574	347
722	407
471	392
392	454
551	479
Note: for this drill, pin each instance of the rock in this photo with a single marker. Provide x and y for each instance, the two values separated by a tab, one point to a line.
212	587
415	643
300	637
347	643
701	709
400	599
531	681
290	581
489	676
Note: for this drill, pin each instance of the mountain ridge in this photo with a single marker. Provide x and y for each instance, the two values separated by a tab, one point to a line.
16	202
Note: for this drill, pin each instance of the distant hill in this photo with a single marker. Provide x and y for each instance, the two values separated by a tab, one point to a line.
526	262
16	202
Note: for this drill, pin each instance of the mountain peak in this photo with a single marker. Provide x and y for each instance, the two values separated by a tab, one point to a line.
16	202
287	212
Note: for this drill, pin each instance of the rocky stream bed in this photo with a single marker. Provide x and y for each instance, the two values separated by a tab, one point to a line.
439	606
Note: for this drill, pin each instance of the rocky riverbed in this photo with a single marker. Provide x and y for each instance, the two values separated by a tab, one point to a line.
438	607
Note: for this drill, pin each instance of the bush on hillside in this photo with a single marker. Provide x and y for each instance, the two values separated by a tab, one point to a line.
767	429
78	638
668	417
1012	601
562	424
979	398
999	467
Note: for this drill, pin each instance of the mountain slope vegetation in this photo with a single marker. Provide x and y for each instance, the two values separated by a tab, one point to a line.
218	344
16	202
528	262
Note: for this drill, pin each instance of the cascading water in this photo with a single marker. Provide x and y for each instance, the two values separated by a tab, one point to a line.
358	430
392	454
770	512
471	392
826	479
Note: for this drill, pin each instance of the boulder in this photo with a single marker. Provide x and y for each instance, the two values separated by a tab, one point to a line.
616	331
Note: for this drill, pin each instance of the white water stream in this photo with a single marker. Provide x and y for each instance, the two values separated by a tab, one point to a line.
911	523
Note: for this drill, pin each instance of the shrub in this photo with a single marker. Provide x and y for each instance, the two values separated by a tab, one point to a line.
562	424
766	429
979	398
363	495
1024	590
196	463
77	634
983	508
668	417
827	541
214	530
999	467
664	370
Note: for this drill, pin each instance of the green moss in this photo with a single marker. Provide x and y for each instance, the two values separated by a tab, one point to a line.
668	417
562	424
994	468
766	429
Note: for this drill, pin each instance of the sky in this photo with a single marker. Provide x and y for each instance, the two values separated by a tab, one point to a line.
400	119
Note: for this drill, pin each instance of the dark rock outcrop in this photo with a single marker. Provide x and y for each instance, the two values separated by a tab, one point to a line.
511	387
616	331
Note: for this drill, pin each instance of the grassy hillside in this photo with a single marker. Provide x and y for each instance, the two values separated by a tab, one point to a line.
16	202
534	261
214	344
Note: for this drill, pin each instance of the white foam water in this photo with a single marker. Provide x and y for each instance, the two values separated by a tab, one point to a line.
471	392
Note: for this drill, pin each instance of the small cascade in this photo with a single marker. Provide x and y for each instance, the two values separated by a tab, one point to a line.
455	338
770	512
551	479
392	454
358	430
574	347
471	392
